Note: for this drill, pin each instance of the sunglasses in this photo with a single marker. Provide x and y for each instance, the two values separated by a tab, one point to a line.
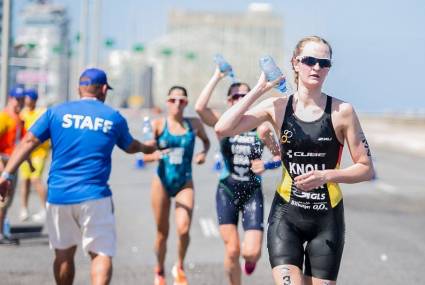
312	61
236	96
181	101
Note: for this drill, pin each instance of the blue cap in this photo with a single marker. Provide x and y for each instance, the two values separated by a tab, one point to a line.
94	76
32	93
17	92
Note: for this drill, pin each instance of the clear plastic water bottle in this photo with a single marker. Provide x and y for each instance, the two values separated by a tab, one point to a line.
272	71
224	66
147	129
218	161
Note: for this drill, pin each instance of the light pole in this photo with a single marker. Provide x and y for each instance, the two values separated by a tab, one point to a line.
5	44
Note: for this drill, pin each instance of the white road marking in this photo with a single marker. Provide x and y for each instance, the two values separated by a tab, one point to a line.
208	227
385	187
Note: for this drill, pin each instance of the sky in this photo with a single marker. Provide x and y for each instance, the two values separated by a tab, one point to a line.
378	45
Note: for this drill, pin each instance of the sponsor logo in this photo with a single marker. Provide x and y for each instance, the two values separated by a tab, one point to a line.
321	139
301	168
241	149
310	195
240	174
242	139
291	154
309	206
287	134
241	160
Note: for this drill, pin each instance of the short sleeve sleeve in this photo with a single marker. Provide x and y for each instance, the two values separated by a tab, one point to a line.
124	138
41	127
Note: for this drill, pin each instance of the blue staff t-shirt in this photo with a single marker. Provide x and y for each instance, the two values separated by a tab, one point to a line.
83	134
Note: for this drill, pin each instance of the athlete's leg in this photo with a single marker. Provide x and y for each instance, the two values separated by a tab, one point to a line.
251	246
25	190
252	220
287	275
41	190
63	266
161	210
230	236
101	269
184	209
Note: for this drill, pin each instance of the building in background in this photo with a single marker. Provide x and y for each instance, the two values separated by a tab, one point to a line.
42	50
184	56
1	17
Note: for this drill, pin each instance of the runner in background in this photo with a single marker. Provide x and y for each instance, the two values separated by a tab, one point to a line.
240	187
11	131
175	136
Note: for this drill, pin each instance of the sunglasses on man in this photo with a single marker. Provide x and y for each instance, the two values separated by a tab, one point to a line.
312	61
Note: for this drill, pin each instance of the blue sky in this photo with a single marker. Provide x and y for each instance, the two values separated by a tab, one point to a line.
379	46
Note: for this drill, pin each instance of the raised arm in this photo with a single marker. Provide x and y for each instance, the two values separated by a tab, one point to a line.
362	167
207	115
136	146
157	129
265	133
239	118
202	135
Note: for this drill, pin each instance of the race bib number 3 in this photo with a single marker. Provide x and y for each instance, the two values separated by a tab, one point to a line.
176	155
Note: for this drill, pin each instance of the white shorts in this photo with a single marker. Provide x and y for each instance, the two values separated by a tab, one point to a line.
92	223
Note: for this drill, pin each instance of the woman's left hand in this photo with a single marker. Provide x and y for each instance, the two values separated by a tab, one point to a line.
257	166
310	180
200	157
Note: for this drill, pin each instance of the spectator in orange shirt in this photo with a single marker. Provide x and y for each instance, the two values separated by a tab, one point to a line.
11	131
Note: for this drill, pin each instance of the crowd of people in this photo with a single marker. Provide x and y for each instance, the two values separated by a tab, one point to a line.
305	132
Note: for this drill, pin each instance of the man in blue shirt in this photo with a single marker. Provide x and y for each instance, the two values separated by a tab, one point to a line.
79	205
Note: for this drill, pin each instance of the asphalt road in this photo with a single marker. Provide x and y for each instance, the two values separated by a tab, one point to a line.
385	229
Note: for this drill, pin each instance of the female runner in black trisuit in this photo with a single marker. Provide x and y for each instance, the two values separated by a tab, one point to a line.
312	127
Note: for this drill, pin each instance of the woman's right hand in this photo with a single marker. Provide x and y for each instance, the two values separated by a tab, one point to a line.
218	74
263	85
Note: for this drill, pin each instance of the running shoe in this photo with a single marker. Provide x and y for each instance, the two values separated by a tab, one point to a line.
24	215
249	267
4	240
179	276
159	279
40	216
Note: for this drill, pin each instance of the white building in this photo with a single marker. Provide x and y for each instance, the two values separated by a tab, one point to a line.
184	56
42	41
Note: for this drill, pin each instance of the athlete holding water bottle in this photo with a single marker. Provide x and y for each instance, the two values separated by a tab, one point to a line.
312	127
175	137
240	187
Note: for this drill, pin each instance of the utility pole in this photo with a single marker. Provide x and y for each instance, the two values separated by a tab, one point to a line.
83	35
5	44
95	33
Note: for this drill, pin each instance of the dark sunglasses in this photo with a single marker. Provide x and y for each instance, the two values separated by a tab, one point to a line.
237	96
174	100
311	61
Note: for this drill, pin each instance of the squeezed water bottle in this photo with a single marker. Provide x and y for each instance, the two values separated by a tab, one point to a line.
147	129
272	71
218	161
224	66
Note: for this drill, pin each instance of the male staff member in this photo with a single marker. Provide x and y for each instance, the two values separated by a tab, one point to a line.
11	131
79	205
